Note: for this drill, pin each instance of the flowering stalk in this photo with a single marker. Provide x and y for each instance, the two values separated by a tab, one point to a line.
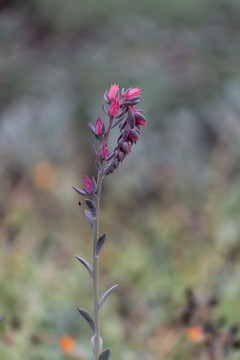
120	112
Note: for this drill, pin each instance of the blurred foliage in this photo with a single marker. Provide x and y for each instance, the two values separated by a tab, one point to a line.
171	210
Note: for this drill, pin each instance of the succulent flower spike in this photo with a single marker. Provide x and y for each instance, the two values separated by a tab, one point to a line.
120	111
129	124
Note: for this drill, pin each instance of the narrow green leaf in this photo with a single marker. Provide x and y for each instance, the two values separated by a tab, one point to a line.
92	207
105	354
89	218
88	318
86	264
100	243
105	295
79	191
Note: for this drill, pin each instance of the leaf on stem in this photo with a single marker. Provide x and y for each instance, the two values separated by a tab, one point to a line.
94	185
104	110
100	243
94	150
105	295
121	114
98	165
91	128
89	218
79	191
86	264
88	318
92	208
105	354
110	156
131	118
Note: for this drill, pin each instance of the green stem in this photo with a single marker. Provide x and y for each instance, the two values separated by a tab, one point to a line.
96	271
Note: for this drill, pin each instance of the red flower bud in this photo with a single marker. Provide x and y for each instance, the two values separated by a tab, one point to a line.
139	118
139	121
132	138
114	108
98	126
88	184
131	93
104	151
112	92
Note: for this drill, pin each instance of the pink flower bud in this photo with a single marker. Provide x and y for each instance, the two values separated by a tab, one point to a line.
132	138
88	184
104	150
98	126
112	92
131	93
139	118
114	108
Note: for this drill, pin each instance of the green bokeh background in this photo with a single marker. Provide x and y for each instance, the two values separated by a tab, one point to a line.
172	208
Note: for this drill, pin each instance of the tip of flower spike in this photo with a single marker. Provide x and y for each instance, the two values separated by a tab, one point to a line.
114	86
129	125
113	92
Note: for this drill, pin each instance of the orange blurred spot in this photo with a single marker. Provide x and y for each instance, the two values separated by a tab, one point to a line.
44	175
67	344
195	334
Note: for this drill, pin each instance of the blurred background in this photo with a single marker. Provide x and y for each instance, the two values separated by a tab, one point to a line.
172	208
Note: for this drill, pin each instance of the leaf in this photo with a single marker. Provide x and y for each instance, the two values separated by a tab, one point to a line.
79	191
121	114
89	218
92	208
131	118
105	295
107	169
100	243
94	185
88	318
91	128
106	98
126	132
94	150
86	264
110	156
105	354
140	116
104	109
98	165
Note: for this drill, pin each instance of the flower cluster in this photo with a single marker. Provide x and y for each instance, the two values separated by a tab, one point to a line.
130	122
122	112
